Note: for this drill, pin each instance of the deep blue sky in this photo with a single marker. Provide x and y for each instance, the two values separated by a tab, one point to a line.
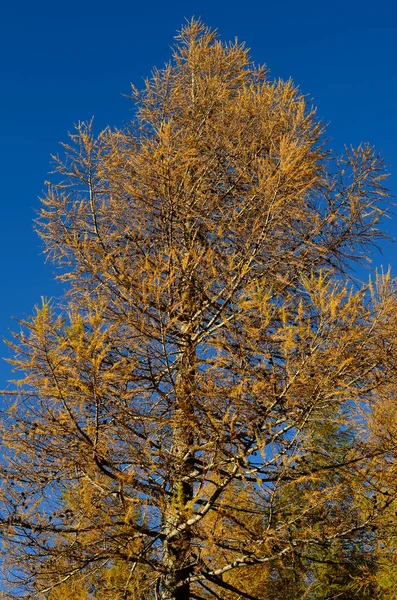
62	62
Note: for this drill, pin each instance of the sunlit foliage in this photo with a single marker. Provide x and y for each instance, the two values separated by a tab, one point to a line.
205	413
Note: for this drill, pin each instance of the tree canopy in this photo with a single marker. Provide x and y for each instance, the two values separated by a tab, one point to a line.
209	411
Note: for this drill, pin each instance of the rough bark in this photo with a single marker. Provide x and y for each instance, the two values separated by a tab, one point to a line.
177	557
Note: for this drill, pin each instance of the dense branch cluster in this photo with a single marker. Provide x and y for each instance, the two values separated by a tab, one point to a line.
209	412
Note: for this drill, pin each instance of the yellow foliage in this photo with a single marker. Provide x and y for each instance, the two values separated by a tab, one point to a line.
211	401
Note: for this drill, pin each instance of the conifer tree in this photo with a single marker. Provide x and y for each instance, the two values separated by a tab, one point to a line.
170	403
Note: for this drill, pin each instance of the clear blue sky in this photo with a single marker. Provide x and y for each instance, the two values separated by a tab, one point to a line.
65	61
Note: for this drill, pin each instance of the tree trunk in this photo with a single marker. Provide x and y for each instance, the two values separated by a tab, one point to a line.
177	557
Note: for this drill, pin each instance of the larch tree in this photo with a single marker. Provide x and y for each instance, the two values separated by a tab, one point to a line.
168	434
